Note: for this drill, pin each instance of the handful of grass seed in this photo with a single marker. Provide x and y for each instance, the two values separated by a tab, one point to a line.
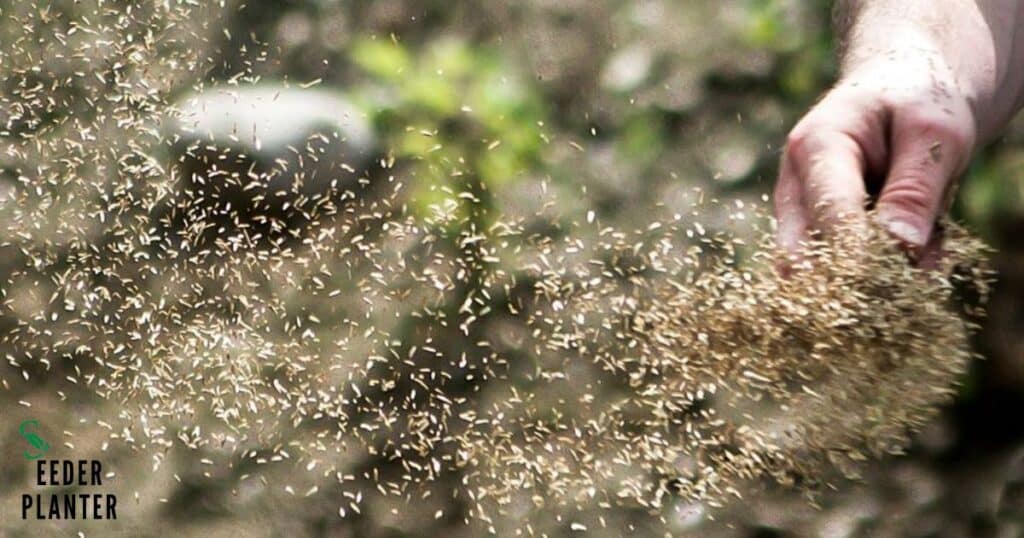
735	373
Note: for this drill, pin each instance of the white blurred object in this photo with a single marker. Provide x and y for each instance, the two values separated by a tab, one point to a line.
271	141
272	117
627	69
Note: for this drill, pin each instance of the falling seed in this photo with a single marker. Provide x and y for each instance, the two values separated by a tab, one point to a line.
183	302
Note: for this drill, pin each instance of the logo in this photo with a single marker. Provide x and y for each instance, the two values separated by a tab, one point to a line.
69	500
33	439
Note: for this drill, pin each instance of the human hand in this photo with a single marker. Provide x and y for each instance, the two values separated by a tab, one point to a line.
897	127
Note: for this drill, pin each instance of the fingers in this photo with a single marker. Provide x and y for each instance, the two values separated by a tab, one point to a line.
919	146
821	184
822	171
929	151
830	168
789	207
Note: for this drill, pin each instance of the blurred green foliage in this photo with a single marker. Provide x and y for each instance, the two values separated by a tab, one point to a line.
993	193
458	112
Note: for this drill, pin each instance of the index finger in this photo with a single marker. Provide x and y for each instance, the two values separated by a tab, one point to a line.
830	167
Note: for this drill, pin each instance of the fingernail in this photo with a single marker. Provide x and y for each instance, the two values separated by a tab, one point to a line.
906	232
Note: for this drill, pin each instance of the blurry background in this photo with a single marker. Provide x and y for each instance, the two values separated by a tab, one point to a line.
616	107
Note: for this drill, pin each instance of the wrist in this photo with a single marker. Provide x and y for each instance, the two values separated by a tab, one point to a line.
968	48
913	67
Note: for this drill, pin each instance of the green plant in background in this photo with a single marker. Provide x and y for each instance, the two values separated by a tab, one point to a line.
767	27
993	190
456	112
805	52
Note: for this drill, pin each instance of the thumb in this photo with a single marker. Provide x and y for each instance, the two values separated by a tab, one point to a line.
927	154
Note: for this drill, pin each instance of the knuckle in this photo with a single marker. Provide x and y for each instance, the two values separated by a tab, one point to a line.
911	193
806	142
797	142
943	127
822	125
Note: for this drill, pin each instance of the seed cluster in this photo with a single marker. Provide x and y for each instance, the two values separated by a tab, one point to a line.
241	311
729	372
